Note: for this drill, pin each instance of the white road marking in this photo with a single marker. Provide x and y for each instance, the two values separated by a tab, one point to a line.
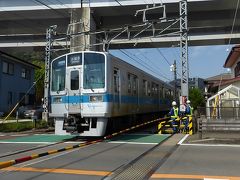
124	142
74	142
212	145
17	135
214	179
9	142
183	139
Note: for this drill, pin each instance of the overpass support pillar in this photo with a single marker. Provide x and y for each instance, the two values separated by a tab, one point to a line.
81	21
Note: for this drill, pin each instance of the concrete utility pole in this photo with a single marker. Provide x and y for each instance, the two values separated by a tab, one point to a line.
173	68
184	50
81	21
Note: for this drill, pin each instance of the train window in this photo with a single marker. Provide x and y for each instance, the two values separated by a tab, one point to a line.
161	92
154	89
148	89
116	80
75	80
135	84
74	59
129	84
167	93
58	74
94	71
145	87
157	90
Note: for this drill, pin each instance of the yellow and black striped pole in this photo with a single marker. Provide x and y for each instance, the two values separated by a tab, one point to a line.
161	126
190	125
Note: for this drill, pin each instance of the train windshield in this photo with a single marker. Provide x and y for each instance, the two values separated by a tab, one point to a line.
94	71
58	74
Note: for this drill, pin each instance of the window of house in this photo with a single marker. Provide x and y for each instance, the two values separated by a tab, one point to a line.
7	68
25	73
10	98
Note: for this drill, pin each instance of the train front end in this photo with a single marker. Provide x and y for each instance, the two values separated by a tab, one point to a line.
79	94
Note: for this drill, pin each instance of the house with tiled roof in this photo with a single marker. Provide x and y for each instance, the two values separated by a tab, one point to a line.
233	63
225	103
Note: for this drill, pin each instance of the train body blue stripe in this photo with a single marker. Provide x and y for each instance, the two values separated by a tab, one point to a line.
112	98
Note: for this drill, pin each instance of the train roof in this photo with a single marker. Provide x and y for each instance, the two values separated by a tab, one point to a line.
148	74
109	54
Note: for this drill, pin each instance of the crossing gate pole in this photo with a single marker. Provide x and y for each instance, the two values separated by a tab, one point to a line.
190	125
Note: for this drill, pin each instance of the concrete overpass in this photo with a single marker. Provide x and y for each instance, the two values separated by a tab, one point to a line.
23	23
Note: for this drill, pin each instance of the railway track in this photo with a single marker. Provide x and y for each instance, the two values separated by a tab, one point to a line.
8	154
17	160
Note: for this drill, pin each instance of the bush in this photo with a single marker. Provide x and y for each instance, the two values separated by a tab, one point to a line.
21	126
196	97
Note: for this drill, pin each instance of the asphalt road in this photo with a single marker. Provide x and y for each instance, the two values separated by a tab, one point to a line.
186	161
203	161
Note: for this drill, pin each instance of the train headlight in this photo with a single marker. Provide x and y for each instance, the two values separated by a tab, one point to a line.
57	100
96	98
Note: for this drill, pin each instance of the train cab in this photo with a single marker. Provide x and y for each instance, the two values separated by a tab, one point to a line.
78	89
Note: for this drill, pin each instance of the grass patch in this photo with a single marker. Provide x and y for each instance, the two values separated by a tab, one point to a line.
21	126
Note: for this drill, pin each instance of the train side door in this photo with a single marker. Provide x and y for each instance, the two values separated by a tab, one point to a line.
116	88
74	90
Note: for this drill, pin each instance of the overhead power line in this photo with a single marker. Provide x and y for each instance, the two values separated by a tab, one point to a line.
44	4
234	19
154	65
149	68
118	2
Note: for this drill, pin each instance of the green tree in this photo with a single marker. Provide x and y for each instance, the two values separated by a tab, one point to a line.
196	97
39	79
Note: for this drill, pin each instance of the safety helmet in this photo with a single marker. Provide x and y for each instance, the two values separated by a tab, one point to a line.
174	103
188	101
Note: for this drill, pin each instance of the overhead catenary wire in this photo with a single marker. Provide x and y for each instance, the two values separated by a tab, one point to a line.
233	24
44	4
166	60
118	2
154	65
149	68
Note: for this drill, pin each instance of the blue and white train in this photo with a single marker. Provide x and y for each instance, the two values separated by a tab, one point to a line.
90	90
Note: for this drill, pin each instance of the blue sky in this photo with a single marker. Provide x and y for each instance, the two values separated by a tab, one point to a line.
204	61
